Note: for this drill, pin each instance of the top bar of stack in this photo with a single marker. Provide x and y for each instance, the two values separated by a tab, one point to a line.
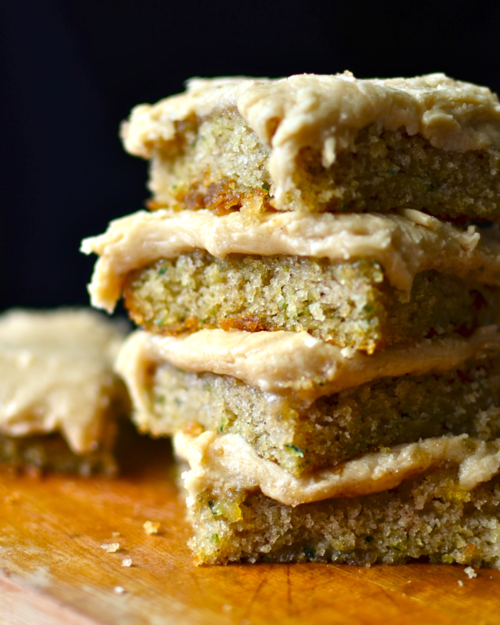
319	289
324	143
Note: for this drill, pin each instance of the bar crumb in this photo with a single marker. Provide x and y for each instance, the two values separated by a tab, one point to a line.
470	572
127	562
151	527
119	590
460	582
110	547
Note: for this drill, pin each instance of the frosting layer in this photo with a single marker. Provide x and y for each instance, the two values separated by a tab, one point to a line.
284	362
229	462
404	244
325	112
56	374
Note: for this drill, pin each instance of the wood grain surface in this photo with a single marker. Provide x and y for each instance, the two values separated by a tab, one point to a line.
53	569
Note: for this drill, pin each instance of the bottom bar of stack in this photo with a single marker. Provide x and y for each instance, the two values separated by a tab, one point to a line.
296	450
444	513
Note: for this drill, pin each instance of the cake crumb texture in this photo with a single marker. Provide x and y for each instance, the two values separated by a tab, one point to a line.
430	516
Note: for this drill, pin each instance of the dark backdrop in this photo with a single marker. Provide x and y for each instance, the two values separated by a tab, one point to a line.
70	70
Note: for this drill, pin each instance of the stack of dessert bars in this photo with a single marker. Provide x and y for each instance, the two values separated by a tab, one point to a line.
317	285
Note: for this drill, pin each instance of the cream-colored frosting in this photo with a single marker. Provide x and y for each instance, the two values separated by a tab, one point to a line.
404	244
229	462
283	362
326	112
56	374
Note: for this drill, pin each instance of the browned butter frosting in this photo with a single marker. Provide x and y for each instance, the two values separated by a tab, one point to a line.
292	362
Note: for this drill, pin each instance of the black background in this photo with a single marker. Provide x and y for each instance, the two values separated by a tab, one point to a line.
71	70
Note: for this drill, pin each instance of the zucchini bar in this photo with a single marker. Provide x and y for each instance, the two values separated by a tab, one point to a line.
323	143
437	499
357	281
60	400
308	429
350	303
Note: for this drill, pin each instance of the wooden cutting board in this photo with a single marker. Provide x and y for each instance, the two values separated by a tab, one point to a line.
53	570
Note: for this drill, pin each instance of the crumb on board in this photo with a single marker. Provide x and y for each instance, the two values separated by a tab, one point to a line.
470	572
151	527
115	534
460	582
127	562
110	547
120	590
